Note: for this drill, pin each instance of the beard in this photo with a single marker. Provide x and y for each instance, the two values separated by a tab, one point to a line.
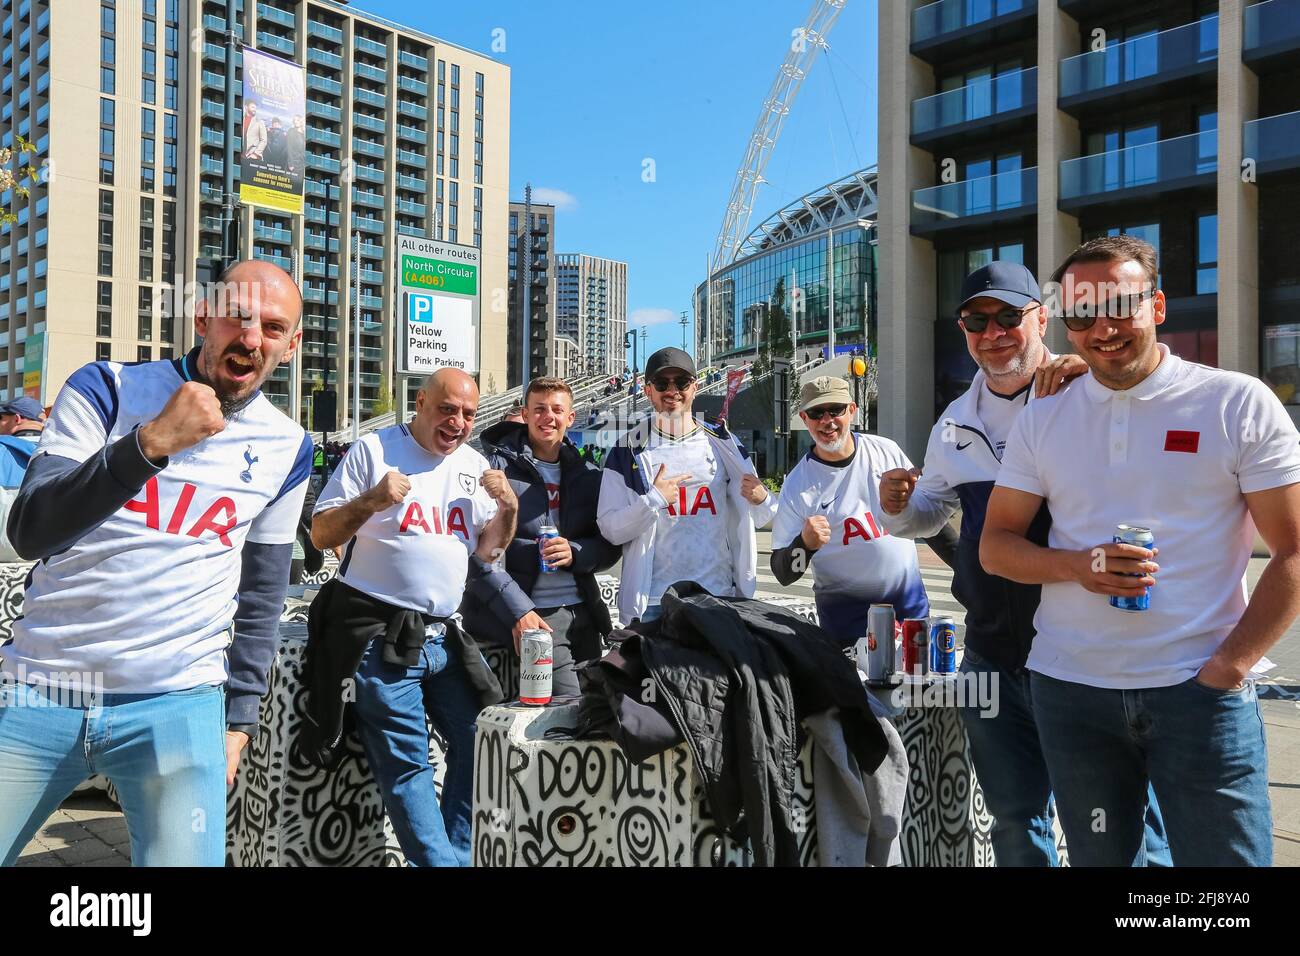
232	403
1023	363
834	447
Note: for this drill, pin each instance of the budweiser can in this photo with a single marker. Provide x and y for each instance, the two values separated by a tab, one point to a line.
535	667
879	657
943	645
545	533
916	647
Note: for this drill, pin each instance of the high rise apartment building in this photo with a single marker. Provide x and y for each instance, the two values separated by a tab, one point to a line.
591	310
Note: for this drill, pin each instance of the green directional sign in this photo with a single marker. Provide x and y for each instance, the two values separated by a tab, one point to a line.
438	275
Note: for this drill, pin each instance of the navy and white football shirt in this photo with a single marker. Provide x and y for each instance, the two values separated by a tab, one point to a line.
147	598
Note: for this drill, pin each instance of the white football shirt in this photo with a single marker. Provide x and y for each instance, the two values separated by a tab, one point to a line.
415	554
147	598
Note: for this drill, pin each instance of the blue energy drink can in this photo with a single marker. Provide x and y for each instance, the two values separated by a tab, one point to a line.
1143	538
544	534
943	645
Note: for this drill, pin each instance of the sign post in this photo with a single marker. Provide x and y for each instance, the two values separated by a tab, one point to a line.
438	291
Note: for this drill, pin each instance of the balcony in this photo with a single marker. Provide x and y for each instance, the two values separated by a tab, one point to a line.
418	209
372	47
418	87
1151	64
373	276
272	234
372	123
952	26
370	301
373	200
411	182
315	161
413	60
1004	197
367	148
372	73
367	224
283	17
316	82
369	173
214	81
1119	175
279	44
324	137
324	111
981	104
412	158
324	32
324	58
1273	143
413	134
376	100
313	293
1272	32
413	110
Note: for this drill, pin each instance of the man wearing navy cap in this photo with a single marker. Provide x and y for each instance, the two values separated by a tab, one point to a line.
1003	319
23	417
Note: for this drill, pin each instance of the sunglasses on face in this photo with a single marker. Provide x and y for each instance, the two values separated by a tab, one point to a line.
977	322
826	411
1086	314
680	382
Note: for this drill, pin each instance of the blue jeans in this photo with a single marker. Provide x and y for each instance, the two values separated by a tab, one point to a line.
1013	774
1202	750
165	753
392	701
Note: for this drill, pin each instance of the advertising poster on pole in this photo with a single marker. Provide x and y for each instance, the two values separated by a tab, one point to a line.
438	302
273	162
34	367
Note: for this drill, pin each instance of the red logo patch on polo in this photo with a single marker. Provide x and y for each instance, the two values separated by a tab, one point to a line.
1182	441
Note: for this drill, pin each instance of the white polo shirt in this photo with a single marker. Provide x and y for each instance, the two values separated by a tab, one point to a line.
1174	454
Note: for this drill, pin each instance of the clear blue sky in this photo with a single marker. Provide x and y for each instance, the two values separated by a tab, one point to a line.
598	87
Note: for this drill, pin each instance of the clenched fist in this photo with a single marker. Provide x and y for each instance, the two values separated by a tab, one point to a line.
896	488
192	414
816	532
753	489
391	490
498	488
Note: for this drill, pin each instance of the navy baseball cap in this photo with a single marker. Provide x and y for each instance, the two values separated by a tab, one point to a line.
1008	282
25	406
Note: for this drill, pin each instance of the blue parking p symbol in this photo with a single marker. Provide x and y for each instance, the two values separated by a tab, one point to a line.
419	308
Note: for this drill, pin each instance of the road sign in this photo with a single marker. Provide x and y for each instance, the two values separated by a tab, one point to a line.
438	286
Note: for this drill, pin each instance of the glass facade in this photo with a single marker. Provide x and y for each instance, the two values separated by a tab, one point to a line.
795	278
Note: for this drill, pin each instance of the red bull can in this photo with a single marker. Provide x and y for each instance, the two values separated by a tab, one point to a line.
545	533
535	650
943	645
1143	538
916	647
878	659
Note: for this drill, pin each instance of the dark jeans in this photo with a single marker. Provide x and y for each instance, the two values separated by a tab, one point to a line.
576	640
1202	750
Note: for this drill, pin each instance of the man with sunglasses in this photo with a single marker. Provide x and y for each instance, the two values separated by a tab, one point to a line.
162	506
681	497
1004	324
829	517
1162	696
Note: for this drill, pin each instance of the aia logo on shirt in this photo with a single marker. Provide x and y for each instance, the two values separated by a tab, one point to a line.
864	528
703	502
416	521
1182	441
219	517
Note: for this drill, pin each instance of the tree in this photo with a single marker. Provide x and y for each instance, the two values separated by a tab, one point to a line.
384	403
14	178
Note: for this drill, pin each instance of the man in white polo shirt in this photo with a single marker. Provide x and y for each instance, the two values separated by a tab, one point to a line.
1201	457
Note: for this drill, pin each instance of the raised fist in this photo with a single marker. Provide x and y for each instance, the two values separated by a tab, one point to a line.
816	532
498	488
896	488
192	414
391	490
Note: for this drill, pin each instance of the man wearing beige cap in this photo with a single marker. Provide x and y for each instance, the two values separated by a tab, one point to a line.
828	517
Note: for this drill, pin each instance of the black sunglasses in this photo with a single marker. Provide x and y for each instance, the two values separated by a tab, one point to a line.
1085	314
680	382
977	322
821	411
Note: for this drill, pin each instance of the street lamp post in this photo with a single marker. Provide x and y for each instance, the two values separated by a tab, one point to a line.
229	251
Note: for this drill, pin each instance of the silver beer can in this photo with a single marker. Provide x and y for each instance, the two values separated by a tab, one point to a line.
880	644
535	649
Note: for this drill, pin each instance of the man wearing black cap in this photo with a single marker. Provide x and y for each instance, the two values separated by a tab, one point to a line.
23	418
1004	322
681	497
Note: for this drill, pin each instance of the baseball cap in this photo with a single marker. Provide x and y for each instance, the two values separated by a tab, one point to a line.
26	406
669	358
824	390
1008	282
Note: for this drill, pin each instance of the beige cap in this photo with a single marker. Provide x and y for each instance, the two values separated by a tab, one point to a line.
824	390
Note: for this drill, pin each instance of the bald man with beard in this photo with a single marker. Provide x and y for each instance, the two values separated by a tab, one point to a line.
420	515
160	507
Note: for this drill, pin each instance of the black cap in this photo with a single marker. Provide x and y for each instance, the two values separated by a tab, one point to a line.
1008	282
669	358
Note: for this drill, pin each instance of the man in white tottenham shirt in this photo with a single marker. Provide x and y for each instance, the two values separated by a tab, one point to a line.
1201	457
413	504
681	497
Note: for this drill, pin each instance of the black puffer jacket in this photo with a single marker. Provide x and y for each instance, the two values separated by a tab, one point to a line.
736	676
506	447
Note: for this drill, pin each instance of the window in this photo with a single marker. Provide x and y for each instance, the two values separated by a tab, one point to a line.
146	151
149	64
107	81
145	328
104	323
103	352
146	239
107	112
150	33
455	75
146	300
106	232
147	119
106	172
106	142
142	353
146	210
107	51
105	296
146	267
478	82
149	90
105	202
147	179
106	262
107	20
1207	254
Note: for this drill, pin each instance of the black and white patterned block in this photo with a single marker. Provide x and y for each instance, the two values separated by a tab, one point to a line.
543	800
